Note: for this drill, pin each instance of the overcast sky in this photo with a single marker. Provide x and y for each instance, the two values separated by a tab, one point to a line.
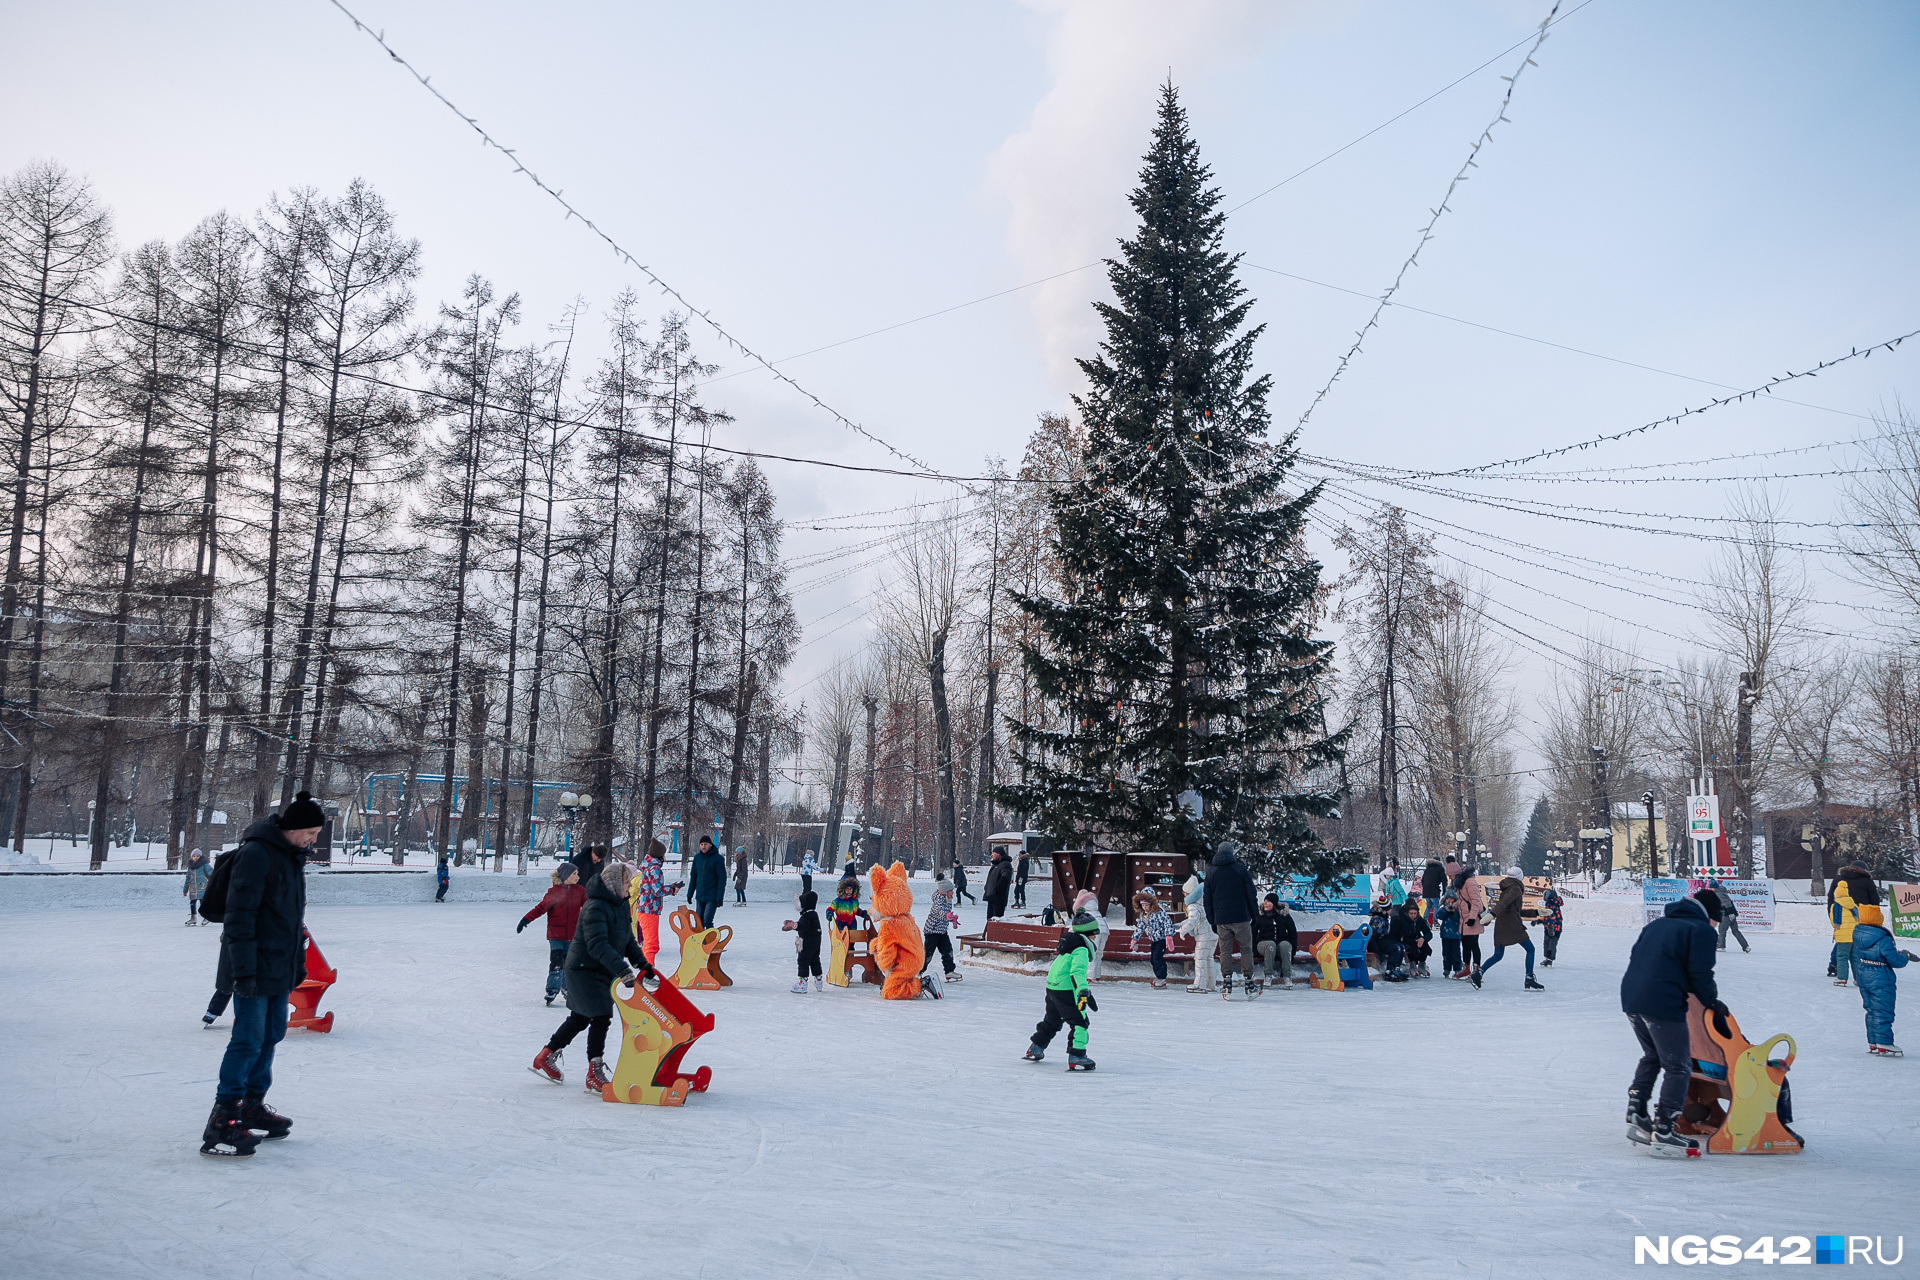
1719	191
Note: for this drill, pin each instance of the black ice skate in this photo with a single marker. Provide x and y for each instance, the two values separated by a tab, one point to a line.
1034	1053
257	1115
1669	1144
1226	989
1639	1123
1255	989
1474	978
225	1135
1531	985
1078	1061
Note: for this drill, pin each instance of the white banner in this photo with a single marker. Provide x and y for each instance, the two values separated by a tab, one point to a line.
1703	817
1753	899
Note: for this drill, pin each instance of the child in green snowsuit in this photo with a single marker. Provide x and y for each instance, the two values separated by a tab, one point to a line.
1068	996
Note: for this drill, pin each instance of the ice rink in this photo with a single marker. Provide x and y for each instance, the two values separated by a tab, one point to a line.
1423	1130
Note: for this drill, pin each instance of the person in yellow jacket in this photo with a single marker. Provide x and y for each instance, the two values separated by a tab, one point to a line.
1844	913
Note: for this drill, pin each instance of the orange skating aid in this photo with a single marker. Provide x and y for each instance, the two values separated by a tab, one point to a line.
849	950
655	1029
699	952
1735	1094
305	998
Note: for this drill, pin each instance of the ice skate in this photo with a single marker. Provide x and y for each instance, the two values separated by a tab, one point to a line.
799	988
1839	982
225	1135
1035	1053
1639	1123
546	1064
1532	985
1668	1144
931	986
258	1116
1156	983
1255	989
1226	989
1546	964
1474	978
1885	1051
952	977
1199	991
598	1077
1078	1061
819	985
206	1020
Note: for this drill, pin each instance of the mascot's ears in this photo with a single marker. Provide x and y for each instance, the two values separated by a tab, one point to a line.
877	876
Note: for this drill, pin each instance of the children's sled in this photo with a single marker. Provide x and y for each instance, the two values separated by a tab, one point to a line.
1738	1096
848	950
655	1029
305	998
1342	958
699	952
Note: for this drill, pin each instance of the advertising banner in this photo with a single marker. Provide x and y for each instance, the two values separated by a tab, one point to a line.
1703	817
1354	901
1656	894
1753	899
1903	902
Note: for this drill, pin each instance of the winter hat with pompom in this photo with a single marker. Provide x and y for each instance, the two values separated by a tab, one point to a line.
302	815
1082	899
616	876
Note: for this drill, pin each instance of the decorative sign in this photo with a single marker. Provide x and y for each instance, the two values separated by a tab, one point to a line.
1305	898
1904	899
1703	817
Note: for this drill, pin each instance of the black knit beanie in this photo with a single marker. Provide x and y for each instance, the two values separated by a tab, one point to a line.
303	814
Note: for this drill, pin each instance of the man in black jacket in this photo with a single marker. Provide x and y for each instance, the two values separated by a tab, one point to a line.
1672	959
1230	903
1020	872
998	885
707	881
263	955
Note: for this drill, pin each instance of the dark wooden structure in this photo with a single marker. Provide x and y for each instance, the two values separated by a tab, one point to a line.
1118	877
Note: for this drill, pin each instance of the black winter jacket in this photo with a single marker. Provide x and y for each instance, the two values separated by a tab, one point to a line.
1433	879
707	882
1230	898
602	947
1672	958
1276	926
262	938
999	881
808	927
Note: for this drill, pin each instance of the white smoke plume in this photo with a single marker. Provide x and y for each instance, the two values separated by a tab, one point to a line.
1066	175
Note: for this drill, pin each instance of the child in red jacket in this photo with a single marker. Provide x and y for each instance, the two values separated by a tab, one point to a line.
561	907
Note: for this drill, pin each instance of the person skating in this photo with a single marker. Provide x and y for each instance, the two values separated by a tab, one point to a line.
707	881
1433	886
561	906
1874	960
1195	926
1472	903
1153	926
1069	997
1672	959
806	944
1275	937
808	870
442	877
199	871
960	880
1552	920
1729	918
935	929
1510	928
1844	914
998	884
1230	906
603	947
263	956
742	868
1450	964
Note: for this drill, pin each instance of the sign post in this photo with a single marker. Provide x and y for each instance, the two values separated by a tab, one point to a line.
1703	828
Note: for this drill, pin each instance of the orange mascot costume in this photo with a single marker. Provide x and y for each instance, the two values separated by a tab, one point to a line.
897	946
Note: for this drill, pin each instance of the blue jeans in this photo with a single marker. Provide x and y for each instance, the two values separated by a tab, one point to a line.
259	1023
1525	944
1157	957
556	966
706	907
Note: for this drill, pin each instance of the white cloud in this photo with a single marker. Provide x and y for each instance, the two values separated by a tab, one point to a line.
1066	175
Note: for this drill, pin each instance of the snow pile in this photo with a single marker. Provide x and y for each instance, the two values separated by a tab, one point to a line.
15	858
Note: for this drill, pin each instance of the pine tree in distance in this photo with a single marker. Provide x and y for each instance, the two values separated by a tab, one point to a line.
1180	658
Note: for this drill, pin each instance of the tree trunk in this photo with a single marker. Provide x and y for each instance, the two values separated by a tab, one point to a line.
748	690
944	838
1743	779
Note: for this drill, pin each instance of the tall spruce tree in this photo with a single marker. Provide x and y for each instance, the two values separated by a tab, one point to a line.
1539	839
1179	658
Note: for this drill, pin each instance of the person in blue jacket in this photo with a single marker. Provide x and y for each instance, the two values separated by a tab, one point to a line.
1874	960
707	881
441	875
1672	959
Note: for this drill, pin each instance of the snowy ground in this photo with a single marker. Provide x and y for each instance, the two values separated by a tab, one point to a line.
1425	1130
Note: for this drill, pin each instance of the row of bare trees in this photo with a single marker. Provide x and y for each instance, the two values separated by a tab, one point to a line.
271	531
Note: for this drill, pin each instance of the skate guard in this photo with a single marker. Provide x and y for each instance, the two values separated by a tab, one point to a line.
1735	1093
699	952
655	1029
305	998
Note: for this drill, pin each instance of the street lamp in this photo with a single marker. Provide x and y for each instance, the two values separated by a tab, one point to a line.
1566	855
1653	850
575	804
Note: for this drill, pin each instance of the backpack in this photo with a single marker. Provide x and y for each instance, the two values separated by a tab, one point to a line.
213	899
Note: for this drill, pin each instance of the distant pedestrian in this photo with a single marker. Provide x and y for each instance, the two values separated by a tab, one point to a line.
1729	918
999	884
1230	904
442	877
1433	887
1021	869
742	866
707	882
808	870
960	880
199	870
1552	920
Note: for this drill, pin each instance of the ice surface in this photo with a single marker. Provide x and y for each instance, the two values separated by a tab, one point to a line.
1422	1130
